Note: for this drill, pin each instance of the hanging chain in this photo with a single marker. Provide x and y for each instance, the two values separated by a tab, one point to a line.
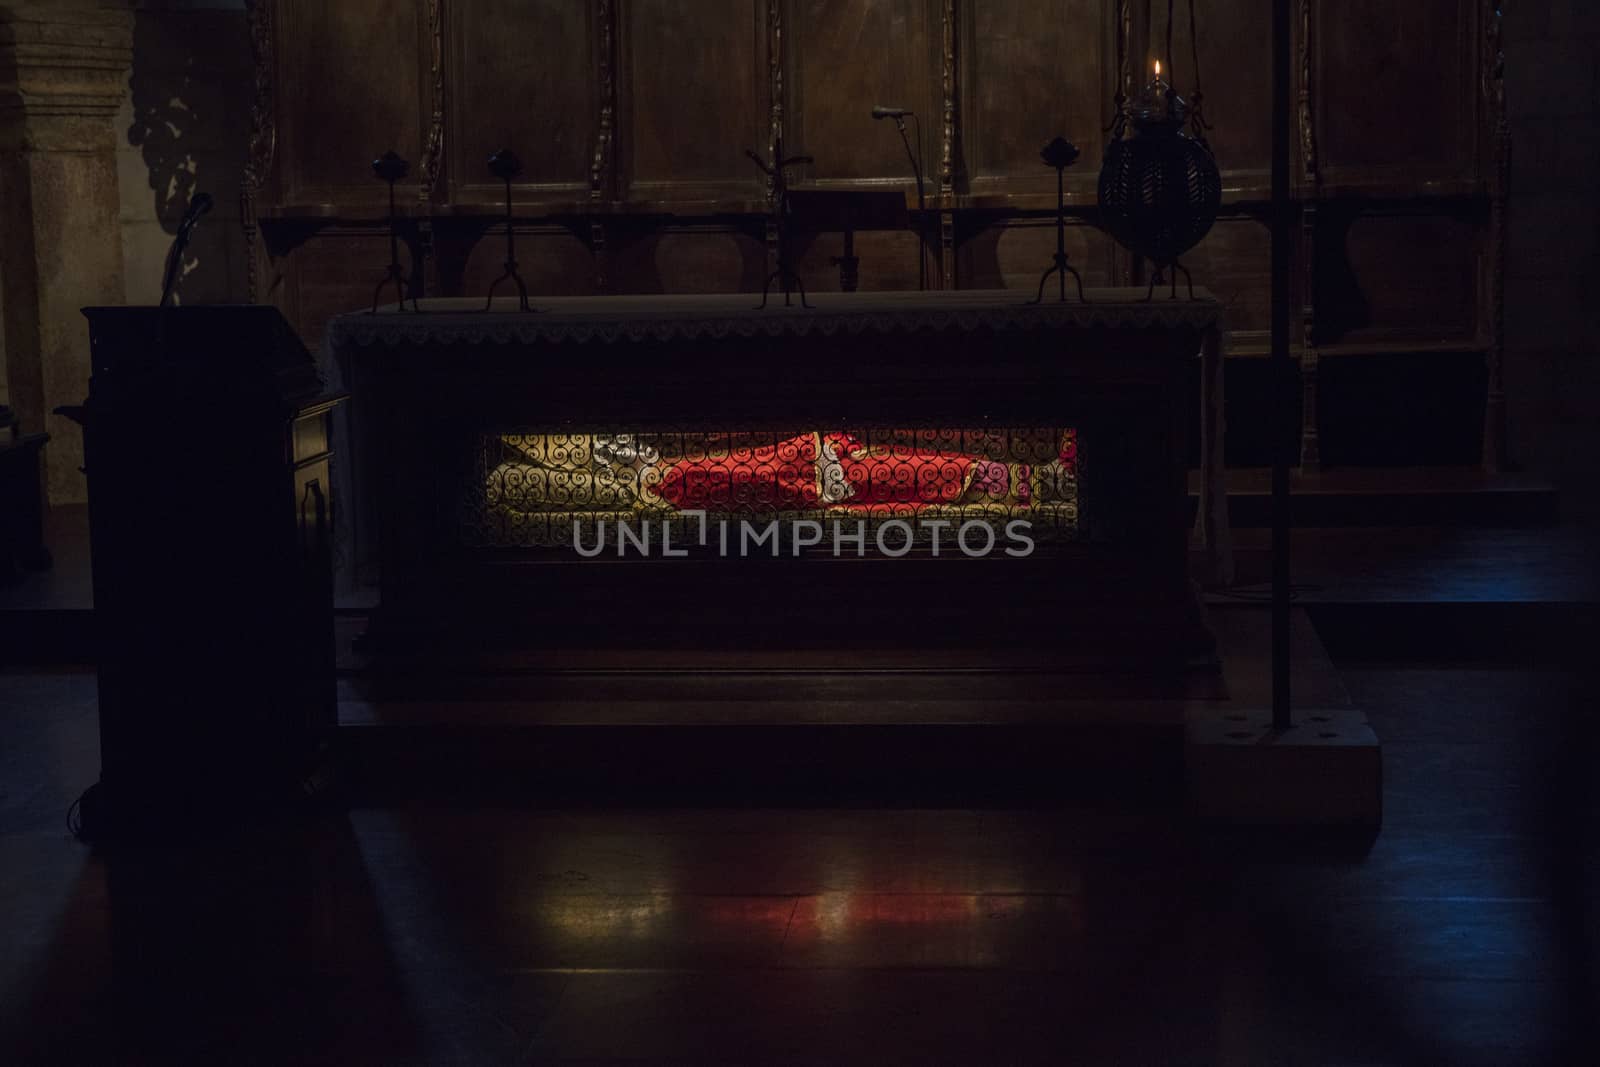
1197	119
1197	116
1172	68
1119	117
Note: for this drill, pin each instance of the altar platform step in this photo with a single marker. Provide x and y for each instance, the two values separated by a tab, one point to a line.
1392	496
877	736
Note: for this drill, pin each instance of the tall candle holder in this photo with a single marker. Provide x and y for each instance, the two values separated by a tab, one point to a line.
785	275
1060	154
391	168
505	165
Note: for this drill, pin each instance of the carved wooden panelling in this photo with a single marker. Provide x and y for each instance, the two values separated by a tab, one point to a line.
522	78
1236	80
1235	263
702	260
1397	97
888	261
335	272
847	56
693	97
632	118
1015	255
551	260
1032	70
351	86
1392	278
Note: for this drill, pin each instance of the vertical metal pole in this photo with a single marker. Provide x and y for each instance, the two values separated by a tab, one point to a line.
1283	368
921	227
1061	229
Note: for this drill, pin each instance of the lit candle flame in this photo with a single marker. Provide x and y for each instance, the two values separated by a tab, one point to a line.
1158	68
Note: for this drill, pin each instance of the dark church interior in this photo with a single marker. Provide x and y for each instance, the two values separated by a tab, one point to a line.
799	532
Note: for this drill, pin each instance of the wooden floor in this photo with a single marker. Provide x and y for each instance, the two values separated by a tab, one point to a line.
606	927
1464	934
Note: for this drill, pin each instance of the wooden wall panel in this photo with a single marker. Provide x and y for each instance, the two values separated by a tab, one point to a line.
1236	78
847	56
522	78
1013	255
632	118
1032	70
352	87
706	259
1397	99
335	272
694	92
888	261
1235	263
1399	279
551	259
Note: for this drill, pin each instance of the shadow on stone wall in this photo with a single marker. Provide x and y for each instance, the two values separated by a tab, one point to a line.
190	124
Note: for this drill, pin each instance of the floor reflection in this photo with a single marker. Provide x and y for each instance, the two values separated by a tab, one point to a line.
476	935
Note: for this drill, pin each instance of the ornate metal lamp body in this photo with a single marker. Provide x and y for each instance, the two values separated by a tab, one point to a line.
1159	186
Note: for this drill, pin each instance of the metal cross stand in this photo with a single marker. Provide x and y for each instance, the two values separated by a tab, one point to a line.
391	168
1060	154
506	166
785	274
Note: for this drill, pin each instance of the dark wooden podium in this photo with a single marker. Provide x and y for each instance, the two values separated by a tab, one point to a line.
207	455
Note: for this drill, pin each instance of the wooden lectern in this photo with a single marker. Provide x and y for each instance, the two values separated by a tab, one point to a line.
207	450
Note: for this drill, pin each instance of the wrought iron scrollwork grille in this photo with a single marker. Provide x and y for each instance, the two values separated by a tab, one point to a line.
539	489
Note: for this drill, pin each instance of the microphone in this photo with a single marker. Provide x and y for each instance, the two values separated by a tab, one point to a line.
881	112
198	206
201	204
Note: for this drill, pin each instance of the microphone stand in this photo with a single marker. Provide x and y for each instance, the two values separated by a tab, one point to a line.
180	244
922	200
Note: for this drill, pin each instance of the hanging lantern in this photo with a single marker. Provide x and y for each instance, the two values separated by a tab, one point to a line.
1159	185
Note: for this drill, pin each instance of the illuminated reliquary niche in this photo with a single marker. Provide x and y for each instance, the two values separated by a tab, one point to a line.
539	490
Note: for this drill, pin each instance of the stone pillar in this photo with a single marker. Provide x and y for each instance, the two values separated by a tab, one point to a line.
63	74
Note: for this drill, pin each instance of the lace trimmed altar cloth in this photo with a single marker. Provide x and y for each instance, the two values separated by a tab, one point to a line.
612	319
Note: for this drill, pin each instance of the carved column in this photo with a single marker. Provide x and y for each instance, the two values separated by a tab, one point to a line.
948	133
433	146
775	119
1311	180
63	73
602	171
263	143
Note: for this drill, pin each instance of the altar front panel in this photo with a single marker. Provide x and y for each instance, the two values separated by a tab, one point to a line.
493	446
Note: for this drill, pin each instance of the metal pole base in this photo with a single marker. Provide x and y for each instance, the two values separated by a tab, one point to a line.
1175	268
522	290
784	275
397	278
1063	268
